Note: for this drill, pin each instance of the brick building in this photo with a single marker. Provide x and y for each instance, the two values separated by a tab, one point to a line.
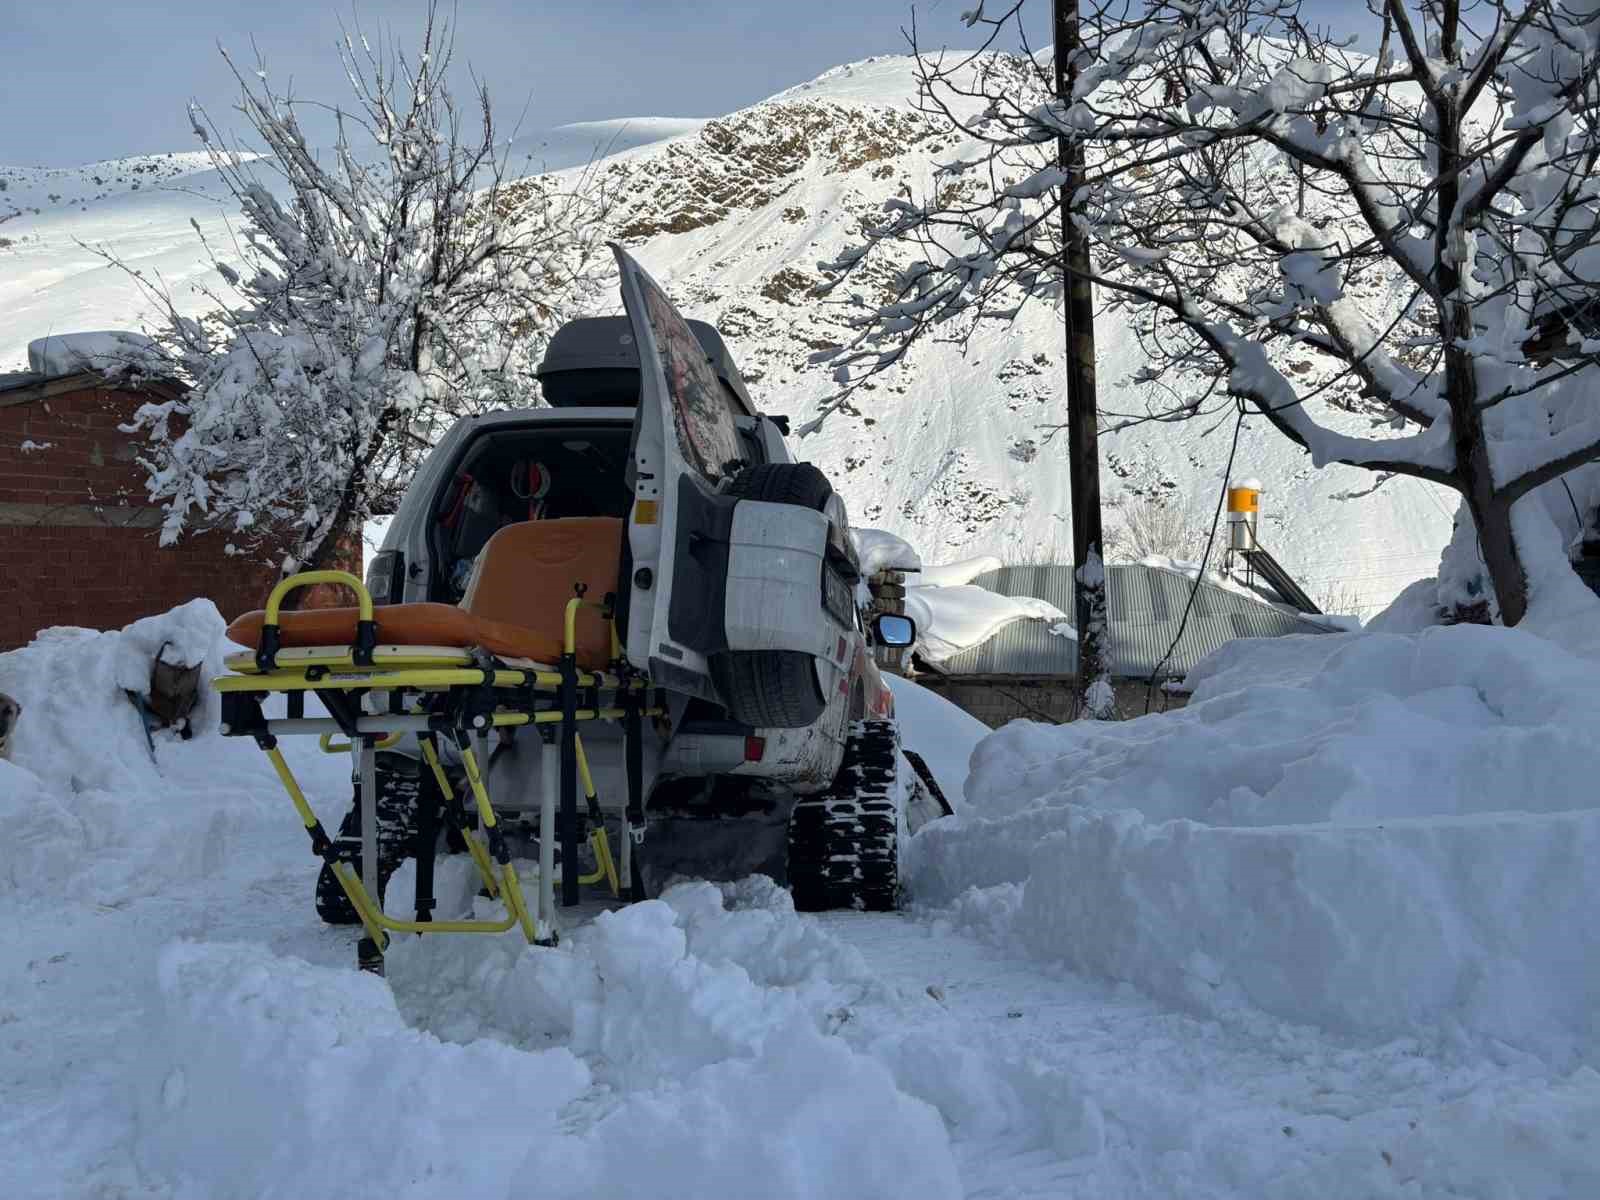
79	535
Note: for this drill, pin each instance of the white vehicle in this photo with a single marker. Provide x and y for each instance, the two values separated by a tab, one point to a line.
736	587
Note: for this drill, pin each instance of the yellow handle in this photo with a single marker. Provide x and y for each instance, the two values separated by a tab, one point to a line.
329	746
569	626
366	627
306	579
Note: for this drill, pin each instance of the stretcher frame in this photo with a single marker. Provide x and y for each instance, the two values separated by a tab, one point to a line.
462	694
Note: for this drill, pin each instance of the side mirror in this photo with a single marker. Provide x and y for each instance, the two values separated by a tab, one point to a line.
892	629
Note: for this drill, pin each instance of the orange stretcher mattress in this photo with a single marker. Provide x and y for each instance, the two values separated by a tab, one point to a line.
515	604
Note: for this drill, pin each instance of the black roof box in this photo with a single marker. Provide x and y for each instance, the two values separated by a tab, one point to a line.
593	362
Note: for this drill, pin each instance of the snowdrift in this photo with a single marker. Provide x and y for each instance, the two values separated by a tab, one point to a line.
695	1036
1368	832
943	734
87	803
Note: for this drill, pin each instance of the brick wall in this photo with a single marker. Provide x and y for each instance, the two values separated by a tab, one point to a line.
78	533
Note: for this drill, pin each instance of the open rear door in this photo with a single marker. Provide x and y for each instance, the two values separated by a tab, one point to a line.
685	441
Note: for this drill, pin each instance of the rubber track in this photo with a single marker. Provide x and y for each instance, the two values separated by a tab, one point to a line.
397	830
844	843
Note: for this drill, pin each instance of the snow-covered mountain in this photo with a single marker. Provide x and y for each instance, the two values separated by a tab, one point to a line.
955	452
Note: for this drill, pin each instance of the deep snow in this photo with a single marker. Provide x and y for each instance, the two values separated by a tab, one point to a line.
1384	834
1265	985
1328	931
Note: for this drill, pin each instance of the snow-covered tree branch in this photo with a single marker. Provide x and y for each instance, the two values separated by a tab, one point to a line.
382	288
1413	234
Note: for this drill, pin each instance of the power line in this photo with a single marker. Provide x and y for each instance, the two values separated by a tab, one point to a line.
1194	588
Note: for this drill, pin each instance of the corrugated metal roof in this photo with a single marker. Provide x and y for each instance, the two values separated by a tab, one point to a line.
1145	606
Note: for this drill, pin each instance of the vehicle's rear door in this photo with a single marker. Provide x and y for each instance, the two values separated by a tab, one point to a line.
686	440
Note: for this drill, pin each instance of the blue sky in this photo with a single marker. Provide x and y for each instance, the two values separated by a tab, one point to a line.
91	79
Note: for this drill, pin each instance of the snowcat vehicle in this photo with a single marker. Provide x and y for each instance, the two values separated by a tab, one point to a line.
627	619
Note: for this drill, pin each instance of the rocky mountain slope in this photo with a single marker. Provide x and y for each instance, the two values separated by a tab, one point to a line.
957	451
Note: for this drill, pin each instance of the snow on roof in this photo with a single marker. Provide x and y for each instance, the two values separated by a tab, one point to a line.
1146	605
879	550
101	350
955	617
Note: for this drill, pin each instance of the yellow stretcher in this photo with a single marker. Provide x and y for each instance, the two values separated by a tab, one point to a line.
461	694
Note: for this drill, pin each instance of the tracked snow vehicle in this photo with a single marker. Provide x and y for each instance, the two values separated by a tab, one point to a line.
643	559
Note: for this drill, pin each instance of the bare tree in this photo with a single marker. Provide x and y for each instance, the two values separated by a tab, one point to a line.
384	288
1410	234
1146	527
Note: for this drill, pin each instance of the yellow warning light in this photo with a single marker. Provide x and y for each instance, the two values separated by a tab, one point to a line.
644	512
1244	500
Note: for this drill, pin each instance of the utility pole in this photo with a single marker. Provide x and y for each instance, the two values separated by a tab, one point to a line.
1083	451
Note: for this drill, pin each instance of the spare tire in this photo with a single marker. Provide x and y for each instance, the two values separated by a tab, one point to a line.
773	689
783	483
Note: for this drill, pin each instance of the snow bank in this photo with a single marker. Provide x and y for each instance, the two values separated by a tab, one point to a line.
1366	832
1416	608
79	729
656	990
808	1117
943	734
677	1048
88	802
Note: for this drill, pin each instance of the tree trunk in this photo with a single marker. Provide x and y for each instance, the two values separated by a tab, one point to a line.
1490	510
1083	451
315	558
341	529
1497	541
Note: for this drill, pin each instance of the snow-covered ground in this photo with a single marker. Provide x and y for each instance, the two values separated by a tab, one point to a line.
1323	933
1326	932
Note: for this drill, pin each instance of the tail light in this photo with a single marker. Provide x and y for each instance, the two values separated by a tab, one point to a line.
386	577
754	748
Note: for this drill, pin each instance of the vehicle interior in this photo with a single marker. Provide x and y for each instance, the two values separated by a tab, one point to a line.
508	476
586	468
